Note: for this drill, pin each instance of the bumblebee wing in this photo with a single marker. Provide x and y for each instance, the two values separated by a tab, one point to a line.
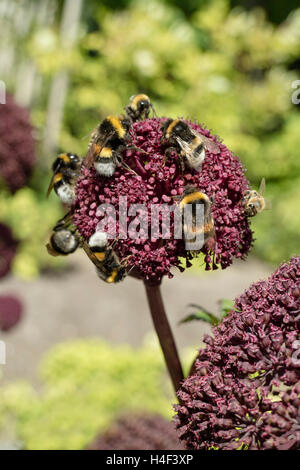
55	178
65	221
88	135
90	155
50	187
153	109
262	187
88	159
91	255
95	146
51	251
210	144
183	145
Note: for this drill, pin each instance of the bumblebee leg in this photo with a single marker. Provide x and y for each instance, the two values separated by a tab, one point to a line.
153	109
64	221
168	153
137	149
124	260
114	243
181	159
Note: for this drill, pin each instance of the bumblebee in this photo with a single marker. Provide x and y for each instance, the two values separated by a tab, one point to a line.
188	142
108	266
139	107
254	202
191	199
114	128
64	240
65	169
110	157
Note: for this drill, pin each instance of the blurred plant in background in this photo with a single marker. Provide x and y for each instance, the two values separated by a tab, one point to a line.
141	431
17	149
232	69
30	215
11	308
85	385
24	209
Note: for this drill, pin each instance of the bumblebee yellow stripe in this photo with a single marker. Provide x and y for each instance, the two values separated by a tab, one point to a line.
113	276
190	198
173	124
138	98
106	152
64	157
116	123
57	178
100	255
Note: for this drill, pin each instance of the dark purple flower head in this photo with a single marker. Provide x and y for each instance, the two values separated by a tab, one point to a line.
8	248
17	146
138	432
244	391
222	177
10	312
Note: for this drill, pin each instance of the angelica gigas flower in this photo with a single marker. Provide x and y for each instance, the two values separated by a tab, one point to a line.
245	388
156	180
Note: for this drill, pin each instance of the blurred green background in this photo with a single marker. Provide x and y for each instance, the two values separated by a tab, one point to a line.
228	64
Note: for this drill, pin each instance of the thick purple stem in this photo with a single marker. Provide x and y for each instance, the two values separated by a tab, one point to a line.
164	334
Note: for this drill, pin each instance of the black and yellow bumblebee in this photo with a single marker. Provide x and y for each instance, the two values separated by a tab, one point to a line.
66	168
108	141
198	227
139	107
64	239
113	131
254	202
187	142
108	266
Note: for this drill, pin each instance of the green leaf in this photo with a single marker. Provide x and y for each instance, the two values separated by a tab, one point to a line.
226	307
201	315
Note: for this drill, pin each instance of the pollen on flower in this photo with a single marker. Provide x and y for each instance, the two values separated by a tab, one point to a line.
156	180
244	389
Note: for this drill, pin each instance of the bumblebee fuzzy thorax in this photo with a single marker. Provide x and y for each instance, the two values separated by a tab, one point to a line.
66	160
192	194
115	125
173	128
139	102
139	107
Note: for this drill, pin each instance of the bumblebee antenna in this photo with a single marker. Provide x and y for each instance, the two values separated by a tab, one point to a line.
128	168
153	109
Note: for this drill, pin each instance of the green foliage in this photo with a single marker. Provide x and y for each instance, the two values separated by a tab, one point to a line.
30	217
202	314
85	384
